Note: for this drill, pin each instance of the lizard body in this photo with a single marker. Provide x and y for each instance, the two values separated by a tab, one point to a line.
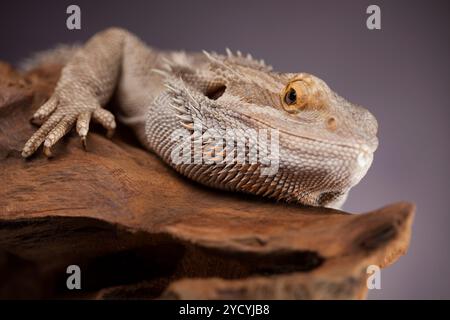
324	144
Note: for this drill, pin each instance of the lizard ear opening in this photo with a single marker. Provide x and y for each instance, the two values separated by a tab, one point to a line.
215	92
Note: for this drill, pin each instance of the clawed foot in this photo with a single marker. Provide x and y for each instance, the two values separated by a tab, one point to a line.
58	115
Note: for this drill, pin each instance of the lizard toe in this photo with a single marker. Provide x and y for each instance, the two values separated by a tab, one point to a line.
45	110
39	136
106	119
83	127
57	133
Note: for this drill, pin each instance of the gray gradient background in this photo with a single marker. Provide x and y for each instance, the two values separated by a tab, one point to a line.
401	74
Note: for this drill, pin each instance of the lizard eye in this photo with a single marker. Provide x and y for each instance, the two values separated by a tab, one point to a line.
291	96
295	96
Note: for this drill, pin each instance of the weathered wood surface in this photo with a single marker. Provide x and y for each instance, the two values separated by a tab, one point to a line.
139	230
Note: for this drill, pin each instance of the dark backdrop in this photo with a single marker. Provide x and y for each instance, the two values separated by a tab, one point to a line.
400	73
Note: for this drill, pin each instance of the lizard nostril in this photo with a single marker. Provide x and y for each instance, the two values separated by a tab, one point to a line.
332	123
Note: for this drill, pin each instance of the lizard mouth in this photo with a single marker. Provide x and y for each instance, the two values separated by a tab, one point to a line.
362	146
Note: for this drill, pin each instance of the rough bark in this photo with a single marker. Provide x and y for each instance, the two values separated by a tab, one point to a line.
139	230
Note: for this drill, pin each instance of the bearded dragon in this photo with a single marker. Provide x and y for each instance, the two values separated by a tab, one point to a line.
324	146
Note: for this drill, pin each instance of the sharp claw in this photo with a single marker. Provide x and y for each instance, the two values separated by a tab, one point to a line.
36	121
110	133
47	152
83	143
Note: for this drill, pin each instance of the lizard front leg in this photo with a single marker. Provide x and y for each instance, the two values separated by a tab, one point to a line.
85	86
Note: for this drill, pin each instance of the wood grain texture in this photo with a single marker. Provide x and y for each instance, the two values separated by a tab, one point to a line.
138	229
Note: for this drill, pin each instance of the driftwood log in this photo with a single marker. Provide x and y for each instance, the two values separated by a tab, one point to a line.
139	230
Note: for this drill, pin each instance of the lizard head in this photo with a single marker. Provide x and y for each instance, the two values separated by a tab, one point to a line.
325	143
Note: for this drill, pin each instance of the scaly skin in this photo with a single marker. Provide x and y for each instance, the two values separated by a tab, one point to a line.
326	143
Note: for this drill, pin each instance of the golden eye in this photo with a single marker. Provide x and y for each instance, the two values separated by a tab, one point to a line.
291	96
295	96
